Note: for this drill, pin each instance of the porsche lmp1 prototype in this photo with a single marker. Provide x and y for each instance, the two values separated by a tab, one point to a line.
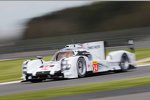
76	60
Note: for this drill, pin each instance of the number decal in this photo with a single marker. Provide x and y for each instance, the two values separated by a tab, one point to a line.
45	67
95	66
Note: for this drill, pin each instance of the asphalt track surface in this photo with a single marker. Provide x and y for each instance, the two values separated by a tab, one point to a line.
27	86
133	93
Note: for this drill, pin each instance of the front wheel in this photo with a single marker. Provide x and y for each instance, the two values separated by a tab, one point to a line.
81	67
35	80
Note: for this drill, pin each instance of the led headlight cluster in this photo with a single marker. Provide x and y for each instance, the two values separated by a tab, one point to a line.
24	66
65	64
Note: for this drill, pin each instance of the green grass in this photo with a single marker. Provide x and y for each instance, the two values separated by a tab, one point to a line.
11	69
142	53
85	88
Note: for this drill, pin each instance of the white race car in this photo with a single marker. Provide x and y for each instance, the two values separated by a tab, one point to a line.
76	60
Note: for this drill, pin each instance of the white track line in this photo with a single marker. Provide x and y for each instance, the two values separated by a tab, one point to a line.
143	65
12	82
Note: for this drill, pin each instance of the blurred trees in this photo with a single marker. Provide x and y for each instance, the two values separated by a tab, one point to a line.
97	17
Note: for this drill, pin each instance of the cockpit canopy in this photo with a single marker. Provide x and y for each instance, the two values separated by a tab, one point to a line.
69	53
62	54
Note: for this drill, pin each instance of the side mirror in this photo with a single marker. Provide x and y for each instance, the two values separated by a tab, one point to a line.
131	46
39	57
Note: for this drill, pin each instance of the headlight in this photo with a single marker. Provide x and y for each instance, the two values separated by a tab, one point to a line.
26	62
64	62
66	65
24	65
24	69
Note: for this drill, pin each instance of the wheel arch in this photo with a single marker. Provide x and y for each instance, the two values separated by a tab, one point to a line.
84	63
116	56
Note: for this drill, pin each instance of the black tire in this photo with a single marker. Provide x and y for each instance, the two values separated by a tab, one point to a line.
124	63
132	67
35	80
81	67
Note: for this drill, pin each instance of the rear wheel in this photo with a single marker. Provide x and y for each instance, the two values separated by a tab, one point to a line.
81	67
124	63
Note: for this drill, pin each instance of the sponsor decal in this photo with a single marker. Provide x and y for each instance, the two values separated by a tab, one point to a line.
95	66
94	47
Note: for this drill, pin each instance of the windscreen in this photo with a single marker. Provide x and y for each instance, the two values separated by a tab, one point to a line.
64	54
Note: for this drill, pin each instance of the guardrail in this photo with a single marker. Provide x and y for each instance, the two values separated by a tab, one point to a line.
114	38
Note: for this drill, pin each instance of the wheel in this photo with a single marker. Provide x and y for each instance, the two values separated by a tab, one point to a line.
124	63
35	80
81	67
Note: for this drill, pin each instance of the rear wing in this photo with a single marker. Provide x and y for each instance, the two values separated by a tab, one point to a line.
129	44
96	49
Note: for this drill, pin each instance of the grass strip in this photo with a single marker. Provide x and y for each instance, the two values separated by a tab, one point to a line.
85	88
11	69
142	53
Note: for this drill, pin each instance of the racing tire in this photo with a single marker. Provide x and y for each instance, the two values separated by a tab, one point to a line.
35	80
81	67
124	63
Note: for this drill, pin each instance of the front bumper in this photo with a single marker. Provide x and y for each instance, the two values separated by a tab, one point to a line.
43	75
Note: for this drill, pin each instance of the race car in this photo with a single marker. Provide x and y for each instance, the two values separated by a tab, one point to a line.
76	60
